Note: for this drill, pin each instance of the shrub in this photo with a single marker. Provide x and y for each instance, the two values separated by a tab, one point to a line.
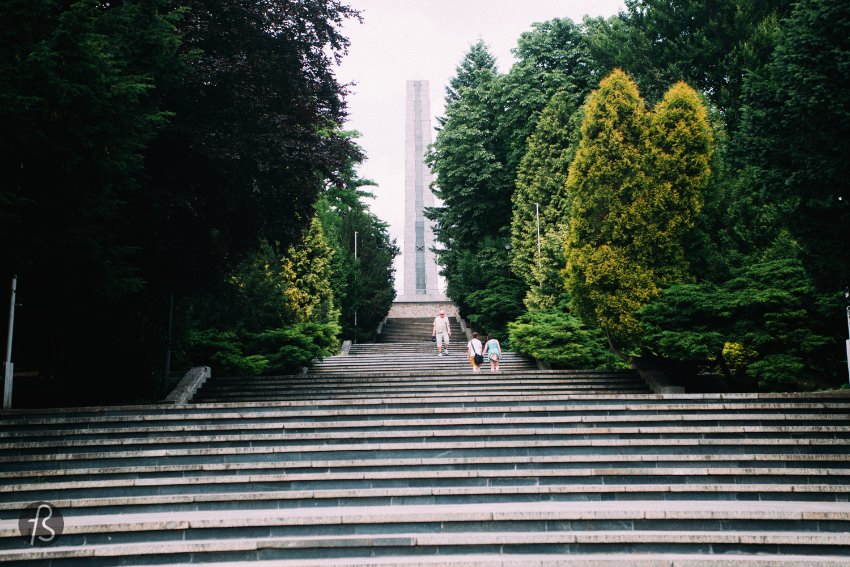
555	336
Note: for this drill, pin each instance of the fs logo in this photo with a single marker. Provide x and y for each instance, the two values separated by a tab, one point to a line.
41	523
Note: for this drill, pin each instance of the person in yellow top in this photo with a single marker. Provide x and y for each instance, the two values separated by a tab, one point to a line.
442	331
473	347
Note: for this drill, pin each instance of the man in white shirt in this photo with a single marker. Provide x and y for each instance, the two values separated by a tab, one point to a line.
442	331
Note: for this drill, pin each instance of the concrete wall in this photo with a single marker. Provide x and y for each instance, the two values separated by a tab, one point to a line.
408	309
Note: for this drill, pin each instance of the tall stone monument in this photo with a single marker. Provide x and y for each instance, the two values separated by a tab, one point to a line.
420	266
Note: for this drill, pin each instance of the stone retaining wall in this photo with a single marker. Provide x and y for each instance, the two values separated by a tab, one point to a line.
410	309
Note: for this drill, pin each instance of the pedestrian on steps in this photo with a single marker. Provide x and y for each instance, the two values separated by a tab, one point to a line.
473	349
493	352
442	331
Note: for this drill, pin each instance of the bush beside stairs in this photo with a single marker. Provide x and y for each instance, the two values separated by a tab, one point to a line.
392	456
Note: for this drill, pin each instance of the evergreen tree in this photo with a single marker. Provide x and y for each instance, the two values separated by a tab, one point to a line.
605	284
307	272
475	188
552	57
477	60
363	285
540	192
766	323
795	142
680	146
635	188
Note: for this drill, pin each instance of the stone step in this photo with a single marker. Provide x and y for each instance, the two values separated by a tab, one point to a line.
449	549
675	407
392	455
411	392
398	381
551	425
808	527
123	456
135	502
484	378
431	421
490	434
643	559
819	483
518	462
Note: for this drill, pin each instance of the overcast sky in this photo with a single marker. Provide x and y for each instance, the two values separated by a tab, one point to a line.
401	40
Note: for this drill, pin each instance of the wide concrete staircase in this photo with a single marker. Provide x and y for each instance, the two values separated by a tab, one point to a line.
404	363
381	460
416	330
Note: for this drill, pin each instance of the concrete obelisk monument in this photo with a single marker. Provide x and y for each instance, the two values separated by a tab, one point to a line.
420	266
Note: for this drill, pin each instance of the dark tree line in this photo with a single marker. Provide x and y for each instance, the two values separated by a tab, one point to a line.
154	147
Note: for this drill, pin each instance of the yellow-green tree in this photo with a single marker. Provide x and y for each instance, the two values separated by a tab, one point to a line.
680	148
634	190
307	271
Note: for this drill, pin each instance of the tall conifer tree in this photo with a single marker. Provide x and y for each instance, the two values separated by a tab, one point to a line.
635	187
540	187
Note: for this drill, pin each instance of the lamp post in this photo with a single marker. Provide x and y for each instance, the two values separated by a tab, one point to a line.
167	372
9	367
355	298
847	342
537	216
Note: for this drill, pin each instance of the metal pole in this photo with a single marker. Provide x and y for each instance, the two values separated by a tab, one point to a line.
847	342
355	299
537	214
9	367
167	373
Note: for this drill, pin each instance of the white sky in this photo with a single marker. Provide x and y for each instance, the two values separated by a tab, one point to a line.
401	40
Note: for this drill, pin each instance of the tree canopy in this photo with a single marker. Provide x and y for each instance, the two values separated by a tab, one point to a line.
156	148
660	221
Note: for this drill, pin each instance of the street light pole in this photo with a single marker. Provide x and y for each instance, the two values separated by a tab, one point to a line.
847	342
355	299
167	373
537	215
9	367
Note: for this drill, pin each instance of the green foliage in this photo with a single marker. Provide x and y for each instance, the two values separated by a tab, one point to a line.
255	134
471	180
222	350
634	189
794	142
540	186
363	285
477	60
148	147
260	289
552	335
273	351
470	176
499	302
288	349
307	272
768	319
281	315
553	57
604	175
709	45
